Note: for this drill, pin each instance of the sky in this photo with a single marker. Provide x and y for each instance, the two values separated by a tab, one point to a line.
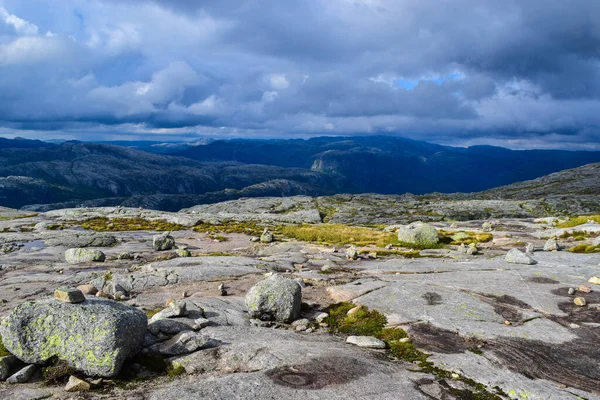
513	73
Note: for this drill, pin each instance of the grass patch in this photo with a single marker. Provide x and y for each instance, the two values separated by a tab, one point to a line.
153	312
249	228
3	350
585	248
387	253
468	237
175	369
3	218
336	234
215	254
578	235
576	221
57	372
103	224
372	323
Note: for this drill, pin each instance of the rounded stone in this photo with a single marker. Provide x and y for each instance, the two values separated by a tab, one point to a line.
418	234
275	298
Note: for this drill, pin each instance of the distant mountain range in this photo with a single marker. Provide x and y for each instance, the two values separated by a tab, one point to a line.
78	173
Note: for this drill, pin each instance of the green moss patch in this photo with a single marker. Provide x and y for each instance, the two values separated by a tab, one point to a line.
103	224
3	350
249	228
367	322
464	237
337	234
585	248
576	221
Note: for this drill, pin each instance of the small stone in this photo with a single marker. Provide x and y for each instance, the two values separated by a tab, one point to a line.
573	326
516	256
369	342
100	381
69	295
255	239
183	253
163	242
301	323
354	310
529	249
6	365
185	294
266	237
595	280
182	343
372	255
571	291
487	226
352	253
584	289
169	301
507	322
101	294
326	268
551	245
175	308
455	376
389	247
89	290
472	249
462	249
404	340
77	385
321	317
579	301
23	375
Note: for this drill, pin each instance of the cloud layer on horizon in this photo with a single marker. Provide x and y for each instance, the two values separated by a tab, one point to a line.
514	73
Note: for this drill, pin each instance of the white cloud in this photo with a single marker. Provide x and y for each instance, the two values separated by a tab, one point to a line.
20	25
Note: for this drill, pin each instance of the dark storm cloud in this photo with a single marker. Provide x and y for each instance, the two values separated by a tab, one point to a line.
452	71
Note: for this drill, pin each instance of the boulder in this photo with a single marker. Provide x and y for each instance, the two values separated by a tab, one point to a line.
418	234
163	242
81	255
95	336
516	256
551	245
275	298
529	249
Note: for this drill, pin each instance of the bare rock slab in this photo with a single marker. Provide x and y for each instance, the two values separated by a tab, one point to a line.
95	336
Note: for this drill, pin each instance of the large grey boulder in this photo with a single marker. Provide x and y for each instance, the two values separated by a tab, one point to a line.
516	256
80	255
163	242
275	298
77	239
419	234
94	336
